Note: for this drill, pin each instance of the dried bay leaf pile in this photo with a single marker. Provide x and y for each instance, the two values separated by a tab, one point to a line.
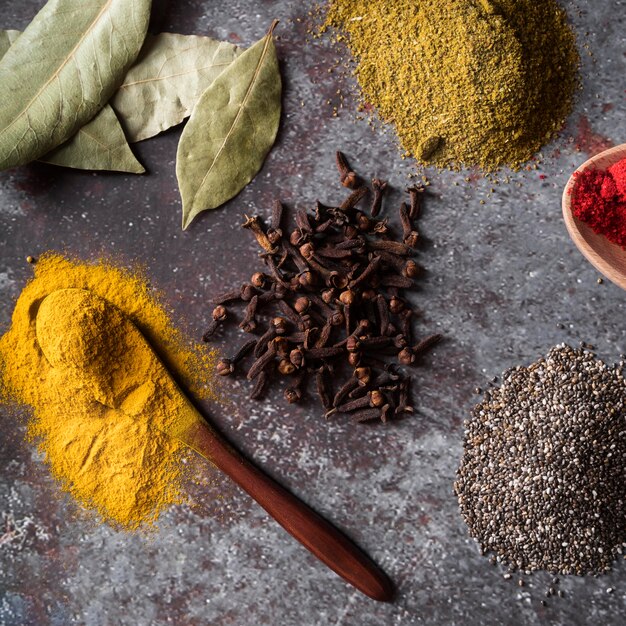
61	71
83	83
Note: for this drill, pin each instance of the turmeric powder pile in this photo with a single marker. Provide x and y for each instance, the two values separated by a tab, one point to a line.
99	404
465	82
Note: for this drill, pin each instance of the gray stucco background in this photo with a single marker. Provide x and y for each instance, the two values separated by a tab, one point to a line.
504	284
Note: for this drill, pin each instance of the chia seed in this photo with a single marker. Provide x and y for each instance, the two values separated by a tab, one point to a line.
541	482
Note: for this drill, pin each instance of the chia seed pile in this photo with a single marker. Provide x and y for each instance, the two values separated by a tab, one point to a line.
541	483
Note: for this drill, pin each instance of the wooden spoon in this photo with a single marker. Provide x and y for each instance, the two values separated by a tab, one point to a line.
608	258
67	345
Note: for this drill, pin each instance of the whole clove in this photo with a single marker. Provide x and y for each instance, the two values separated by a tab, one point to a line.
405	318
263	342
260	385
324	335
219	315
247	292
426	344
416	193
345	389
294	392
369	270
254	224
366	415
262	361
410	236
323	387
275	232
288	312
347	177
404	398
248	324
229	296
353	199
226	367
378	187
395	247
398	280
383	315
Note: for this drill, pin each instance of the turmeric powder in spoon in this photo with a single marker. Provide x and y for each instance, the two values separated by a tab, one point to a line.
99	425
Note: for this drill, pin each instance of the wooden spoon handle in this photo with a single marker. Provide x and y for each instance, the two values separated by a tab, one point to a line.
325	541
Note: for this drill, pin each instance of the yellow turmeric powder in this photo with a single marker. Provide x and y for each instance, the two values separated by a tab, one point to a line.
100	426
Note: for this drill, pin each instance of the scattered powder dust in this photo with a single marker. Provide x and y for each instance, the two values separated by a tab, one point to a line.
115	462
16	533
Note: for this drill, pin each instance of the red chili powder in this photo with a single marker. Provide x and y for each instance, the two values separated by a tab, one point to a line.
618	172
599	200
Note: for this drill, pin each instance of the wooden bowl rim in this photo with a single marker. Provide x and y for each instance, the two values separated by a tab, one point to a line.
580	233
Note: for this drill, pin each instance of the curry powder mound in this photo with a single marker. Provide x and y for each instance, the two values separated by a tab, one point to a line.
118	463
465	82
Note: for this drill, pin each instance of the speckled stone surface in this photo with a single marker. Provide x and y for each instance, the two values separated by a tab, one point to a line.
504	283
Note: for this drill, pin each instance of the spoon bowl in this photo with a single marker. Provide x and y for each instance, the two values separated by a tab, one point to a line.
608	258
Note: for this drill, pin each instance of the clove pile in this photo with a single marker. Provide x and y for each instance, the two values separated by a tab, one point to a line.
333	290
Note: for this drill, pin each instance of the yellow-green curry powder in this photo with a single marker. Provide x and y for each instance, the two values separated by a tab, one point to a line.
465	82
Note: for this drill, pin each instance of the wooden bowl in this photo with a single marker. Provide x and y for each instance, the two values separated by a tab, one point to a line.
608	258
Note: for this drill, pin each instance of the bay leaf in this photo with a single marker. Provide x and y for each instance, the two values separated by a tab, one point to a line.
169	76
63	69
99	145
7	37
230	131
